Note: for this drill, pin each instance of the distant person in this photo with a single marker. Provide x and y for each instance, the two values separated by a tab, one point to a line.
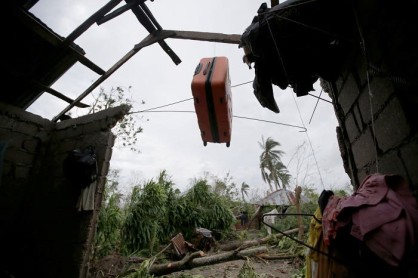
244	218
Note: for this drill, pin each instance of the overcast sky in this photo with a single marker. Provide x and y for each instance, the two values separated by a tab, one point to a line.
172	141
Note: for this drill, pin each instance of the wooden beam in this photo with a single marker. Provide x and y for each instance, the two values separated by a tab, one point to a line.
206	36
189	35
118	12
102	78
31	23
155	37
57	94
90	21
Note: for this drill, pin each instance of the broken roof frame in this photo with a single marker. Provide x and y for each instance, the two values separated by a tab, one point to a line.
157	35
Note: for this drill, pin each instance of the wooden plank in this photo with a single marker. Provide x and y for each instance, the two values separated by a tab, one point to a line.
102	78
149	22
155	37
90	21
57	94
200	36
118	12
31	23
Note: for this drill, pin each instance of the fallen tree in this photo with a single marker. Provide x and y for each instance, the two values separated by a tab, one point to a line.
254	242
195	260
232	251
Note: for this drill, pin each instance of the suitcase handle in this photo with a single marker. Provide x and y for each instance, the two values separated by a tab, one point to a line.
206	69
198	68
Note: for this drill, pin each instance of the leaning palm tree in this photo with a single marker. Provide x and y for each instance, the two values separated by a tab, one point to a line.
244	190
281	173
269	157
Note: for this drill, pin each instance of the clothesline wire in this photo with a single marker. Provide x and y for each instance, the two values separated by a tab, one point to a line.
363	48
240	117
340	260
300	116
312	95
310	143
313	112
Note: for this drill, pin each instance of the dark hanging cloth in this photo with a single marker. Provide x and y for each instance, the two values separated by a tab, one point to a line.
80	167
293	44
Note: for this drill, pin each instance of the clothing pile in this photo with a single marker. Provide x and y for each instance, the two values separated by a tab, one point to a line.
372	233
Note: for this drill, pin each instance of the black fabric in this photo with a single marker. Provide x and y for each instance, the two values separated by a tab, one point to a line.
80	166
323	199
295	43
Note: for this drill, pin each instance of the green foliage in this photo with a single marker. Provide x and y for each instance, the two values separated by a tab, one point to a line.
247	270
225	187
300	273
156	212
107	238
206	209
145	210
126	129
271	166
142	271
184	275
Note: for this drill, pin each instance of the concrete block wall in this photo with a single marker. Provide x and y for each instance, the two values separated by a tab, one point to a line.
22	137
377	128
52	232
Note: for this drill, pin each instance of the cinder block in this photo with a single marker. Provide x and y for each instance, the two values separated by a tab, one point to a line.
364	151
391	163
19	156
409	155
391	126
25	128
351	127
30	145
349	94
6	122
358	117
69	132
381	90
22	171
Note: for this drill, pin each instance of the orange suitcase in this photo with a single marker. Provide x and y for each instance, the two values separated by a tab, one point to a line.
211	89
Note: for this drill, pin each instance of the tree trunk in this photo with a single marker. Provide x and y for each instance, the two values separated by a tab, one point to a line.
174	266
193	260
248	243
298	192
256	216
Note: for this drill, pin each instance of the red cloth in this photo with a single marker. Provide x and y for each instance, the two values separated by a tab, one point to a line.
383	214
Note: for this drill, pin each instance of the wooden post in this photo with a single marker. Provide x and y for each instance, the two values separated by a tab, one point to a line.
298	192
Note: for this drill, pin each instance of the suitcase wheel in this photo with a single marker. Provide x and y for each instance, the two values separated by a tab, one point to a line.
228	144
205	143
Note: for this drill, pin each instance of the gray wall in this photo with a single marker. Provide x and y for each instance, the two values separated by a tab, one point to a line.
375	97
43	234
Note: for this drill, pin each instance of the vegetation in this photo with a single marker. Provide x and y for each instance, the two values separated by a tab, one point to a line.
111	215
154	212
272	168
127	129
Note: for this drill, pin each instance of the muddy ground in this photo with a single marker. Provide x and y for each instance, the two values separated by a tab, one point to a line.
114	266
231	269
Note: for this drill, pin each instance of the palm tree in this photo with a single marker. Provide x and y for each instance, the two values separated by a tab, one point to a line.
281	173
270	162
244	190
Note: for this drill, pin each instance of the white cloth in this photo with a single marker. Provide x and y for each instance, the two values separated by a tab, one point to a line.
86	198
270	219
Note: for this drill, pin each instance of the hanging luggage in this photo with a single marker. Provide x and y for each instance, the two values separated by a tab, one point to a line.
211	89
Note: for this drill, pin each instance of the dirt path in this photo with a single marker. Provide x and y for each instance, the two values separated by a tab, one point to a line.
231	269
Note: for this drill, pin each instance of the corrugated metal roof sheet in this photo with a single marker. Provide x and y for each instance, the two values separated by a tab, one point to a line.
281	197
